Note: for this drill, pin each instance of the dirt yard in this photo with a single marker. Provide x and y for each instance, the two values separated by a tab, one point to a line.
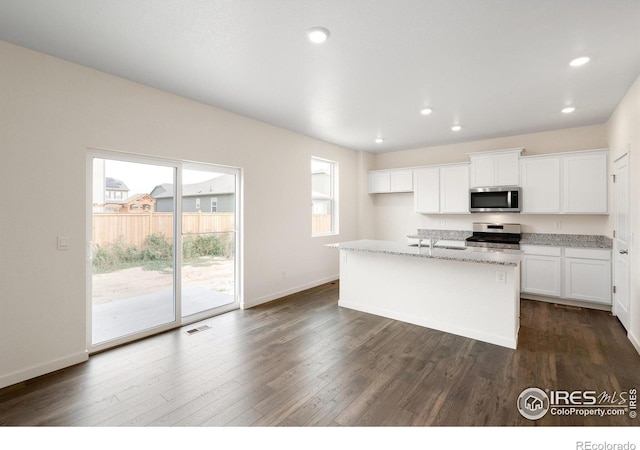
215	273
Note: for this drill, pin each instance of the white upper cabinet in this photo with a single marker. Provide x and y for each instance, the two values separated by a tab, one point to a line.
386	181
426	195
442	189
585	183
572	183
500	168
540	178
454	189
482	171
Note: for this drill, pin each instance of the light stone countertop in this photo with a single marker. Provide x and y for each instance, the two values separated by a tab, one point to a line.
567	240
547	239
467	254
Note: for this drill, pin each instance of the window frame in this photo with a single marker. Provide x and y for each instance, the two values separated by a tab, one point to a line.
333	198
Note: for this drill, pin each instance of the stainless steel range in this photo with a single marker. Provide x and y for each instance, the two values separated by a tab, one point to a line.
495	235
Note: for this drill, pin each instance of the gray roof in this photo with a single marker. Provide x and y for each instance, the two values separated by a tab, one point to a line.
115	185
224	184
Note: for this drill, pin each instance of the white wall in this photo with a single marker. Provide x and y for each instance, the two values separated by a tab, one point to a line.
393	214
52	112
624	135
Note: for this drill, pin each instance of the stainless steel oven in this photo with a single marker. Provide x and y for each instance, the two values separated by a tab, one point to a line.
495	199
495	236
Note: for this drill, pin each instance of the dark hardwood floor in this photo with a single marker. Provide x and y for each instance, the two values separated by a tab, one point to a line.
303	361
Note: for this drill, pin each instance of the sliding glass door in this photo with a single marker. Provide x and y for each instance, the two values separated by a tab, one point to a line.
141	211
208	239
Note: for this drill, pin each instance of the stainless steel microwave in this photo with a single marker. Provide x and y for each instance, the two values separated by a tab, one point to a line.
495	199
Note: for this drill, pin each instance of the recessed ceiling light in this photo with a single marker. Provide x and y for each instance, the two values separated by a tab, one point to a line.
379	140
581	61
456	128
568	109
426	111
318	35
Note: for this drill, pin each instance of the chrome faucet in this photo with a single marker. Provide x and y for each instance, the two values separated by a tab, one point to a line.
432	242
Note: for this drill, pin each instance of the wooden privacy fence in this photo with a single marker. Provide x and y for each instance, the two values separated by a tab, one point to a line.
320	223
133	229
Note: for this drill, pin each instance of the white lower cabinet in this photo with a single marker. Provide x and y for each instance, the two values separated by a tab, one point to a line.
570	273
541	271
587	275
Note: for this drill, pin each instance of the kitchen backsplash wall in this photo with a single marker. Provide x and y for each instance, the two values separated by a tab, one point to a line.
394	218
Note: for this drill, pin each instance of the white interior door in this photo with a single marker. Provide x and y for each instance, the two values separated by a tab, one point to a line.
621	241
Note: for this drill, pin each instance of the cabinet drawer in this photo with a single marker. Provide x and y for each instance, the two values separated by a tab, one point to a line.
542	250
588	253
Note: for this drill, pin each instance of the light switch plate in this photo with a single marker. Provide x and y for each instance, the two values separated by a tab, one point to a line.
63	243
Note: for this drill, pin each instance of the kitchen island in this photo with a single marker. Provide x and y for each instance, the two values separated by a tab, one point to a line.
468	291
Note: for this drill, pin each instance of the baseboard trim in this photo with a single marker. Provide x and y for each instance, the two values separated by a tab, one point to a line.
275	296
634	341
503	341
565	301
42	369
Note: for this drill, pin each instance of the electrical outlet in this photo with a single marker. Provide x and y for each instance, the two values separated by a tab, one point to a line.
501	277
558	224
284	274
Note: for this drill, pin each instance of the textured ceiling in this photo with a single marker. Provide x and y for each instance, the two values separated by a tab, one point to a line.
496	67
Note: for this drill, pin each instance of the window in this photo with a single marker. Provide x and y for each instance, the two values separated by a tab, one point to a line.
197	203
214	204
323	197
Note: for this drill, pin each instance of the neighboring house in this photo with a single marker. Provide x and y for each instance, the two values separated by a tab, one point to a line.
115	190
215	195
321	191
135	204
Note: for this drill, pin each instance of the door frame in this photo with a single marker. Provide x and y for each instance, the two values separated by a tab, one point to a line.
178	166
625	153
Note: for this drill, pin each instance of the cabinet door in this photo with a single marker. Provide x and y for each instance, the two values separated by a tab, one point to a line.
401	181
541	275
587	279
426	190
379	182
454	189
482	171
585	183
507	169
541	185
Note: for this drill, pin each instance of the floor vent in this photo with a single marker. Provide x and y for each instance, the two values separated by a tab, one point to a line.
197	330
569	307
